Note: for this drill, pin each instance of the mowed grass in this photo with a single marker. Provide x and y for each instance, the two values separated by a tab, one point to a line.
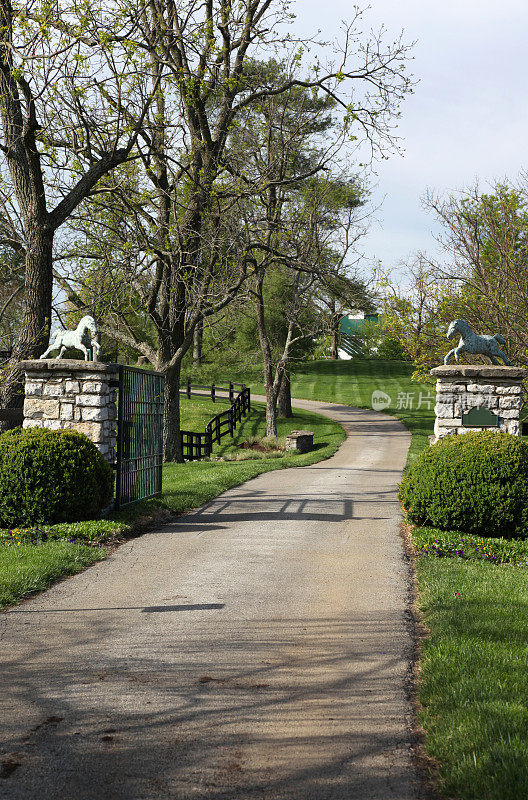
196	412
473	682
27	568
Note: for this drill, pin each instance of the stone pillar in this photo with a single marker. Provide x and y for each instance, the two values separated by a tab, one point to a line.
73	395
494	391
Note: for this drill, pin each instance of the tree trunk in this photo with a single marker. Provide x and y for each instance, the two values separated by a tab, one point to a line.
284	406
197	343
267	357
335	354
34	335
335	333
172	449
271	412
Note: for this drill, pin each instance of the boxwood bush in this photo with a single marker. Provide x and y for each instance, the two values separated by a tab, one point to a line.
476	482
51	476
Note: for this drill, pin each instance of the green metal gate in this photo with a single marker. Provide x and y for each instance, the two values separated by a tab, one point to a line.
139	435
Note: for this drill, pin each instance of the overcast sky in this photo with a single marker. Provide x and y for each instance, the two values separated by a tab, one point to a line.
468	117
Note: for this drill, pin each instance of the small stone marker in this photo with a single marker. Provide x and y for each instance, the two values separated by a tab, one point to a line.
301	441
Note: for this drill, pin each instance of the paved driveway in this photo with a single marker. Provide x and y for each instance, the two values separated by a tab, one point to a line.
255	648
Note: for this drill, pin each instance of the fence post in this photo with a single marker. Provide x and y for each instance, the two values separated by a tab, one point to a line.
213	396
188	388
230	393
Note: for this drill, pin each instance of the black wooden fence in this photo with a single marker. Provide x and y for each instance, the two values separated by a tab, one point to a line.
200	445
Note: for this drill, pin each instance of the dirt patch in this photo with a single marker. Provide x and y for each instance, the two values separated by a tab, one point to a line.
257	446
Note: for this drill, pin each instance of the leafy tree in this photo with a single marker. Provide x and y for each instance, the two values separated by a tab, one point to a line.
485	239
185	255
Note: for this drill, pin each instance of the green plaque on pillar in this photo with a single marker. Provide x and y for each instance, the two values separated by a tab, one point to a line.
480	417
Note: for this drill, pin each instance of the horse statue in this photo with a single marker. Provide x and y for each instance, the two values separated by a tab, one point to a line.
81	338
471	342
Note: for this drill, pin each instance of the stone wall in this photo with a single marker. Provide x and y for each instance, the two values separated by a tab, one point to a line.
461	388
75	395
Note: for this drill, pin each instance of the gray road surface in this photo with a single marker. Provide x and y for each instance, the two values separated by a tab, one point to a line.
255	648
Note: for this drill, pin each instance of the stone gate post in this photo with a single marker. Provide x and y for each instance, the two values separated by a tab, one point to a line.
477	397
74	395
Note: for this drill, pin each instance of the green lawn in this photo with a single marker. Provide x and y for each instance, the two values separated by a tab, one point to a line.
473	681
27	568
196	412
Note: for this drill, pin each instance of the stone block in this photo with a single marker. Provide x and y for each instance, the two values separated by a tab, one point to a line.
32	423
449	422
95	387
486	400
448	397
38	408
514	427
91	400
510	401
52	424
94	414
441	432
53	389
34	388
454	388
508	390
509	414
72	387
66	411
444	409
302	441
480	388
93	430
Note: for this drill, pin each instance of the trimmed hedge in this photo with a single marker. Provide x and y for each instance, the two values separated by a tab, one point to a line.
476	483
51	476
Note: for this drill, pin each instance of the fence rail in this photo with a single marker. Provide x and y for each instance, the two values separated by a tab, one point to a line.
189	389
200	445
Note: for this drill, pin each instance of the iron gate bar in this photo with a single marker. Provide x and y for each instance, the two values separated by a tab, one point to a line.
139	435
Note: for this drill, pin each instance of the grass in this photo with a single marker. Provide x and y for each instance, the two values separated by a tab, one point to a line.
196	412
27	568
473	683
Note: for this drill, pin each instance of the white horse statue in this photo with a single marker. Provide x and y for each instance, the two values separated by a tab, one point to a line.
81	338
471	342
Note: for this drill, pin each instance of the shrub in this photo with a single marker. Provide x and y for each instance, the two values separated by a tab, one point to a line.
51	476
476	482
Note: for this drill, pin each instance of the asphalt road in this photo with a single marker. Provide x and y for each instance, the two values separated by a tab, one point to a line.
254	648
